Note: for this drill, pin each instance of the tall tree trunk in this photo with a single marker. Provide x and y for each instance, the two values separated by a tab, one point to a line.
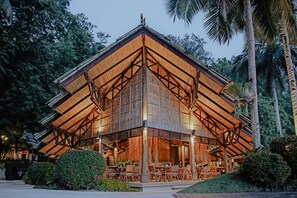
290	70
276	108
252	71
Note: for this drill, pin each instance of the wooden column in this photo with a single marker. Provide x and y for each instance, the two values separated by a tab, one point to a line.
144	168
183	156
156	150
226	160
115	153
192	152
100	145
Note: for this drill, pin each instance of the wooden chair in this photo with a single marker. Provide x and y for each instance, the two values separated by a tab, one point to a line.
205	172
136	173
213	172
172	174
198	171
188	173
154	175
111	173
127	173
181	173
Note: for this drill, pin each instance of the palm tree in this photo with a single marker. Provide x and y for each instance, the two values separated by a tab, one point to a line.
244	96
281	17
271	66
290	70
223	19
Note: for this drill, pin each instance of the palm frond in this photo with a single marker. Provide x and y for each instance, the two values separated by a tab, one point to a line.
264	19
184	9
242	91
218	27
287	9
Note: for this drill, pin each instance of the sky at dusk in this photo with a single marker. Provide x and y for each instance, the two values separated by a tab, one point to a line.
117	17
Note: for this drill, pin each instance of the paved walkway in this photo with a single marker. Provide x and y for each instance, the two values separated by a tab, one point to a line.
17	189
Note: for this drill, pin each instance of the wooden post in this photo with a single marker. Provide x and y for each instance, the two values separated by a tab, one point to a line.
183	156
156	150
226	160
193	163
100	145
144	168
115	153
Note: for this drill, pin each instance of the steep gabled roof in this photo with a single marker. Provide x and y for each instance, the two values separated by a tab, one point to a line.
108	71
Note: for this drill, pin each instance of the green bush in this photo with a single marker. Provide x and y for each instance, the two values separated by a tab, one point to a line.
287	148
267	170
80	169
40	173
112	185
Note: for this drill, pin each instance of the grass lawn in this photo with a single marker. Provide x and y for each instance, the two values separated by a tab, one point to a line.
228	183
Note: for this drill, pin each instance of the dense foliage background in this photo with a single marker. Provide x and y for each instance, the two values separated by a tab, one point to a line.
42	41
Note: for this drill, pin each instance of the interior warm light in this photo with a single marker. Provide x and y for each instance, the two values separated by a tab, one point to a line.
144	115
191	126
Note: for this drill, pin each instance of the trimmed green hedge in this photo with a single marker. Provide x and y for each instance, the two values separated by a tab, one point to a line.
80	169
112	185
287	148
40	173
267	170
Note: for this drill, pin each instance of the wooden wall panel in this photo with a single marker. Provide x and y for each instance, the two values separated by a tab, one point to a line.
164	151
163	107
135	149
125	111
166	112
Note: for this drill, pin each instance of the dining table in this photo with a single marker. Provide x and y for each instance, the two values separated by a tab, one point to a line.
163	170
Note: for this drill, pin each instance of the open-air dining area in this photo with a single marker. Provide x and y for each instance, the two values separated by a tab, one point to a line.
168	160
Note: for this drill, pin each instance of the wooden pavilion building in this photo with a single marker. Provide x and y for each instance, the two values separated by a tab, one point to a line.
144	100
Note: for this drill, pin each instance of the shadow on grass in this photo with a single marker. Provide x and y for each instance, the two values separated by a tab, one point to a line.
228	183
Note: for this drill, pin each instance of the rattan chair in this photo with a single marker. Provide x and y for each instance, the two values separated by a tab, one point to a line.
154	174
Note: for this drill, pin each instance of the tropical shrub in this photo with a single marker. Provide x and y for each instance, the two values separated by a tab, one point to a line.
40	173
287	148
267	170
80	169
112	185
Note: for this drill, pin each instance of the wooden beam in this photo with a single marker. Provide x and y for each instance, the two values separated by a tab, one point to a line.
95	93
195	90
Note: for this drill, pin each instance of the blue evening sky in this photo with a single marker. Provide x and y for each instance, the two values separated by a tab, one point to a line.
117	17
